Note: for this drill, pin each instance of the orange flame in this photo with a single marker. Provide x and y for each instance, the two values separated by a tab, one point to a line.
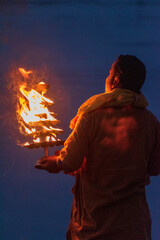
24	72
32	111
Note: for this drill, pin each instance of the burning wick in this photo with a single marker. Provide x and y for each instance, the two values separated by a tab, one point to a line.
33	115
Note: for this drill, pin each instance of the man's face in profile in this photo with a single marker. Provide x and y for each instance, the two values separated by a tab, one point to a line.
110	79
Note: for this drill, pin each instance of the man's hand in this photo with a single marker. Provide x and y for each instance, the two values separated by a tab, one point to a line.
49	164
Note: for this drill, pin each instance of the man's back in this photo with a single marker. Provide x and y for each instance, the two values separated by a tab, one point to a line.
113	149
110	201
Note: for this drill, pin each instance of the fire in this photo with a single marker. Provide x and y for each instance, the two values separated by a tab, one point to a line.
34	110
37	140
24	72
33	114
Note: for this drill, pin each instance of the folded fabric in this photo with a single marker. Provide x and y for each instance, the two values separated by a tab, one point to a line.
118	97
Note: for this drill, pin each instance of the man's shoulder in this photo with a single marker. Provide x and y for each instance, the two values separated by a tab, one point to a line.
98	113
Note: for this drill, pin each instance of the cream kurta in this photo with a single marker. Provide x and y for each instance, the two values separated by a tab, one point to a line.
122	148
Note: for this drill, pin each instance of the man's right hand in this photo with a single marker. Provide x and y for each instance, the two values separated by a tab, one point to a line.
50	164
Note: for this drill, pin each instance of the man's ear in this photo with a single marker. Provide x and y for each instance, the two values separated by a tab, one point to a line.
116	82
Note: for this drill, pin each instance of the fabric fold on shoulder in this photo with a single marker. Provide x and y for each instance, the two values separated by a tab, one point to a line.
118	97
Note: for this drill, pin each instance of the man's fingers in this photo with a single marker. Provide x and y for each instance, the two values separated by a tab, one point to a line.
43	160
40	164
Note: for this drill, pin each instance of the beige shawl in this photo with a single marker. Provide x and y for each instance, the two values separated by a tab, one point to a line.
118	97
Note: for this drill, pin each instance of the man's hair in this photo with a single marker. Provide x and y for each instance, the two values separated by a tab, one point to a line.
130	71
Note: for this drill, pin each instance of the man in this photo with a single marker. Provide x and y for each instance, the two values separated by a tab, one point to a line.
113	150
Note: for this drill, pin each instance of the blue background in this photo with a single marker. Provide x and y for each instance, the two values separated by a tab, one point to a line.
76	41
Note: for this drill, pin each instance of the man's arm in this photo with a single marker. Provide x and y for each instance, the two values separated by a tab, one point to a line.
72	155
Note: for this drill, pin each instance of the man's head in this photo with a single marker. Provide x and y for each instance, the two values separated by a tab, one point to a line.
126	72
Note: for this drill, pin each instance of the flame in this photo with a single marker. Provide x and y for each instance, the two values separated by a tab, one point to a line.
32	110
37	140
24	72
53	139
47	138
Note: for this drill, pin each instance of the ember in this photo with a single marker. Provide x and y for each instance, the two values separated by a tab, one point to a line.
33	115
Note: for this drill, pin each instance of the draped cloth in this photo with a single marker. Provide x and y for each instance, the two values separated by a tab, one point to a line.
120	140
118	97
